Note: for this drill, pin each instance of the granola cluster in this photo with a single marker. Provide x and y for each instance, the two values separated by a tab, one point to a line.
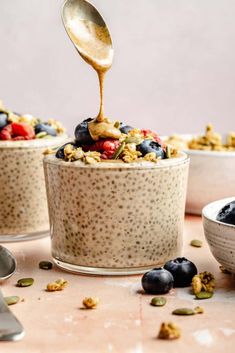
204	281
90	303
58	285
169	331
72	154
211	141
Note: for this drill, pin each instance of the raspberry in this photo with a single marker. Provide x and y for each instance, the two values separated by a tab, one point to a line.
6	132
106	147
17	131
156	138
23	129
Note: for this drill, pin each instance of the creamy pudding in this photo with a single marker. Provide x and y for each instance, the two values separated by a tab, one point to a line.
23	204
111	218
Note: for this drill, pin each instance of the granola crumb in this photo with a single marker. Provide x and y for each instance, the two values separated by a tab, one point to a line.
204	281
90	303
48	151
169	331
58	285
198	310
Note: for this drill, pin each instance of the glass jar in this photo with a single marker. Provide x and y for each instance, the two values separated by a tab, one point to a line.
115	218
23	203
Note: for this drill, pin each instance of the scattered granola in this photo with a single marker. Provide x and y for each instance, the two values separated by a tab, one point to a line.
90	303
198	310
48	151
56	125
58	285
204	281
169	331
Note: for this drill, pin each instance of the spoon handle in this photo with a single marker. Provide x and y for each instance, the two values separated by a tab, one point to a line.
10	328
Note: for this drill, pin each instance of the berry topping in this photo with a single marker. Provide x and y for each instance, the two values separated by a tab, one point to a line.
44	127
17	131
3	119
182	270
23	129
82	134
150	134
157	281
148	146
227	213
6	133
116	141
107	147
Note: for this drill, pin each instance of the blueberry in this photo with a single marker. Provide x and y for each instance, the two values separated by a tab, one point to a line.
44	127
157	281
3	119
148	146
60	151
182	270
227	213
82	134
125	128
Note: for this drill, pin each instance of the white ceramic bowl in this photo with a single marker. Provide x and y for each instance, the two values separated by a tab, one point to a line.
211	177
220	236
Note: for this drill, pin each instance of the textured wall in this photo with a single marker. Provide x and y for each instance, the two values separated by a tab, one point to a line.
173	68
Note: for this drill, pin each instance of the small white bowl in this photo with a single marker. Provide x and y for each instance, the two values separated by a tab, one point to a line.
211	176
220	236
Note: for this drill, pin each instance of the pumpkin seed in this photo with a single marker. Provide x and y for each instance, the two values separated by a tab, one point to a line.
25	282
183	311
40	135
119	150
137	140
204	295
11	300
45	265
117	124
158	301
196	243
168	151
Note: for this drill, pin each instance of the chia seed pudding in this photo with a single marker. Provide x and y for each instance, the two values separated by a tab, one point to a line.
115	216
23	203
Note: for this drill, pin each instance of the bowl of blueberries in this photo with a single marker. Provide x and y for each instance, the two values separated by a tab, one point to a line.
219	228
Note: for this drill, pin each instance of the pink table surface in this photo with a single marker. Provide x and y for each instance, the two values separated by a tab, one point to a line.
124	322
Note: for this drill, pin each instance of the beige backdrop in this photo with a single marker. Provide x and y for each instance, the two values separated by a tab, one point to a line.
174	67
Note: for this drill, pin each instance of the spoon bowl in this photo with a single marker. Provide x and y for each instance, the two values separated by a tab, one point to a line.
10	328
89	33
7	263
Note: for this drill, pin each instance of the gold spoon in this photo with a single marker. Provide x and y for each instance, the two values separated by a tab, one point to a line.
89	33
91	37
